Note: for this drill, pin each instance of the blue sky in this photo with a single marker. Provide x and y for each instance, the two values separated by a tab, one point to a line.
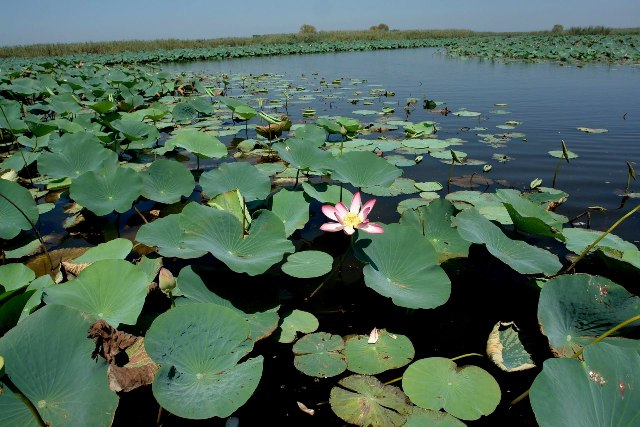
63	21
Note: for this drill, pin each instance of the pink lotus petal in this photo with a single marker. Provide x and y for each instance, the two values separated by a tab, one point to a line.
356	202
349	230
366	209
330	212
370	227
341	211
331	226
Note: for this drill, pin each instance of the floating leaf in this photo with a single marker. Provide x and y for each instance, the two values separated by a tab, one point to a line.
18	210
591	130
167	181
505	348
573	310
294	322
399	186
363	169
107	190
167	235
198	347
519	255
601	390
426	417
307	264
112	289
364	401
319	355
404	268
468	392
66	385
199	143
325	193
252	184
390	351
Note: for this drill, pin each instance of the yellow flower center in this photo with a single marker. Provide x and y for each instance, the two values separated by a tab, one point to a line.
351	220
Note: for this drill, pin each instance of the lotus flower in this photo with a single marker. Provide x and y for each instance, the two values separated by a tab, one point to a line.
350	219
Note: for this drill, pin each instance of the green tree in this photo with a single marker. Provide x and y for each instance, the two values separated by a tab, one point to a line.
308	29
557	29
380	27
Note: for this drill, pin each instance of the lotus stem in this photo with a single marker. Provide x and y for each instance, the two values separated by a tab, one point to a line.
33	227
15	390
395	380
141	216
467	355
592	245
555	173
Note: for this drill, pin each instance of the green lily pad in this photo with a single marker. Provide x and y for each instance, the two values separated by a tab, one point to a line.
363	169
521	256
434	222
467	392
574	310
14	276
167	235
302	155
294	322
292	208
559	154
307	264
325	193
114	249
112	289
167	181
530	217
426	417
67	386
399	186
364	401
243	176
601	390
198	348
404	268
231	201
14	200
390	351
506	350
199	143
320	355
221	234
591	130
428	186
107	190
465	113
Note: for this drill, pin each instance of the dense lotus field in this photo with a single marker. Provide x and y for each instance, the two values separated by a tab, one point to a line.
170	233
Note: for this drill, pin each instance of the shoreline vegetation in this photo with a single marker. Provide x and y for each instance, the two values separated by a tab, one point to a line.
306	35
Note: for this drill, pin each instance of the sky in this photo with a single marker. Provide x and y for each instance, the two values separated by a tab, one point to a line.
64	21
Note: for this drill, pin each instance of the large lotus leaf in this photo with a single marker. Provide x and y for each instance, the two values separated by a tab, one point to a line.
330	126
107	190
198	347
363	169
578	239
134	130
519	255
231	201
202	104
365	401
112	289
11	116
14	276
20	159
530	217
243	176
166	181
18	210
199	143
184	112
296	321
167	235
66	385
404	268
75	157
292	208
311	133
467	392
390	351
573	310
221	234
325	193
488	204
302	155
307	264
190	285
506	350
320	355
114	249
64	103
599	391
426	417
434	222
397	187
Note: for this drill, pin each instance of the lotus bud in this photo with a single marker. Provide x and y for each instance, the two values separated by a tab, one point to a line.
166	280
1	366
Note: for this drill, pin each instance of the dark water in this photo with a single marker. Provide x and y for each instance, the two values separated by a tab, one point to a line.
549	100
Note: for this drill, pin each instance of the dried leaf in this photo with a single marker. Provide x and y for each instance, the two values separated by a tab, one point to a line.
303	408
